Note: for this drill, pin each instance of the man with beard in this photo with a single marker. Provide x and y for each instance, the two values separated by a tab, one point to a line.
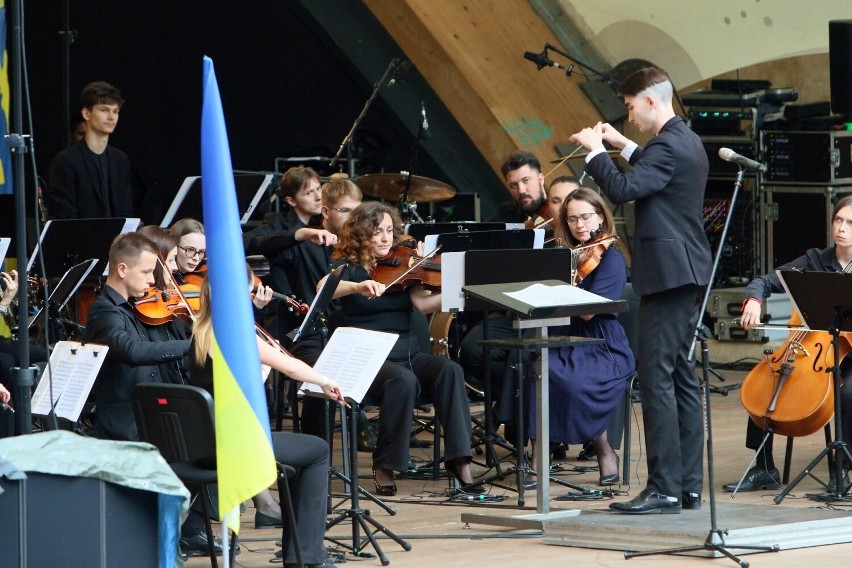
522	172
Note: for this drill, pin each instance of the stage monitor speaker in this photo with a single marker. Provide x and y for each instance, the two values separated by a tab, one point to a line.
53	520
840	66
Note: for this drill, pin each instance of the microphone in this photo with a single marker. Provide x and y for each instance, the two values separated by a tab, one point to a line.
730	156
424	126
542	60
398	72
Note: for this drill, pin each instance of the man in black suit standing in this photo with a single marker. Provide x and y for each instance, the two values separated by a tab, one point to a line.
92	179
671	267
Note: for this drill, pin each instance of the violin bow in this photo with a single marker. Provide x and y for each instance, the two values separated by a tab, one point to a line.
562	161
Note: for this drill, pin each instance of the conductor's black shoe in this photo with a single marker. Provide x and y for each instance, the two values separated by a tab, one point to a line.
757	479
648	501
690	501
197	544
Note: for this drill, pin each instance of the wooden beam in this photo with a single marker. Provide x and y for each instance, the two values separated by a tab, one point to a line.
471	53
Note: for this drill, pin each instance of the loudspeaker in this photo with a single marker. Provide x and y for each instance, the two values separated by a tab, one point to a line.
840	66
54	520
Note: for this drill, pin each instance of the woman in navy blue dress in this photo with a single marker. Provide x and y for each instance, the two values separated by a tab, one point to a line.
587	382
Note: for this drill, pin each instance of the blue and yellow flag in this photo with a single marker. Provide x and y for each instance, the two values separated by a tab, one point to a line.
243	442
5	156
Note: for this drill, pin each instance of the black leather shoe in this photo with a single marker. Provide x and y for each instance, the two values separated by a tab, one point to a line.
588	453
264	521
197	544
612	478
757	479
648	501
384	490
832	483
367	437
690	501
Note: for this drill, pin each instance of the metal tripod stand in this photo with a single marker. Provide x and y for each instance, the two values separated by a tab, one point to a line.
361	519
715	541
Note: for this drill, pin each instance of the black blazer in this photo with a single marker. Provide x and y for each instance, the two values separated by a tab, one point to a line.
667	182
75	187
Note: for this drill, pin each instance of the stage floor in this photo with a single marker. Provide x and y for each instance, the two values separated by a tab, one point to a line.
433	525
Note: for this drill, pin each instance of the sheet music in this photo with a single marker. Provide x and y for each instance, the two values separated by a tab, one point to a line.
541	295
353	357
4	248
75	368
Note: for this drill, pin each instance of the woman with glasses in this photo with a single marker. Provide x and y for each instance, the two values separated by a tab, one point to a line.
191	245
588	381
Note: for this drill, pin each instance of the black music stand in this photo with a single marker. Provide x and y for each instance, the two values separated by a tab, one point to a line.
825	301
420	230
91	238
71	281
487	240
251	188
540	317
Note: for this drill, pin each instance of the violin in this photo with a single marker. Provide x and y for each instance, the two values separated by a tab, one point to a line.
195	277
158	307
292	303
590	253
403	268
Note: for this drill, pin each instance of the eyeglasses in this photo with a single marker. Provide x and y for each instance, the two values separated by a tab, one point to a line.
574	219
192	252
343	210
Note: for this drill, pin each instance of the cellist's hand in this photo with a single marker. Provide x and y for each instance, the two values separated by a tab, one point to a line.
750	318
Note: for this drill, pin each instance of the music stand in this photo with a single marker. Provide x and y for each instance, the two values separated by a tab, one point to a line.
824	299
251	188
420	230
67	287
91	238
313	321
539	316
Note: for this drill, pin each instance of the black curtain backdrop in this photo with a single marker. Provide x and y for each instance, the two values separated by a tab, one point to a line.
287	90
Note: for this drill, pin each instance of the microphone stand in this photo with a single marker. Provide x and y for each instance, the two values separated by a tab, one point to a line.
407	210
581	63
347	140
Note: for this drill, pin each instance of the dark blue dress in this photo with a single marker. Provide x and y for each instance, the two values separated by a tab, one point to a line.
587	382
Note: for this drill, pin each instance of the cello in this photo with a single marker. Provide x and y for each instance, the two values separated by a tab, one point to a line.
791	392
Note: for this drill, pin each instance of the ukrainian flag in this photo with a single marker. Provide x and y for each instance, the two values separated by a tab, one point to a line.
243	443
5	156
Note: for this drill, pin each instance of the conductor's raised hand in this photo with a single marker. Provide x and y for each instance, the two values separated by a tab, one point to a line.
589	138
612	136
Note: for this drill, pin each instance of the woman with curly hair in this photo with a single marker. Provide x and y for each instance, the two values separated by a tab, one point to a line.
369	235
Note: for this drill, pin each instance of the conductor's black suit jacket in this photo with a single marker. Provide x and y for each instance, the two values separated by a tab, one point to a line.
667	182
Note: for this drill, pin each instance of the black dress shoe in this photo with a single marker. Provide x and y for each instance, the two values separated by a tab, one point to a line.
757	479
197	544
612	478
264	521
832	483
472	488
690	501
648	501
367	437
384	490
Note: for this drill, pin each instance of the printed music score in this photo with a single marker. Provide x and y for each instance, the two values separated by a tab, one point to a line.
73	369
542	296
353	357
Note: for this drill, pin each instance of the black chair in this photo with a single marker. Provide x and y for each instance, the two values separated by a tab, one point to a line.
178	420
630	322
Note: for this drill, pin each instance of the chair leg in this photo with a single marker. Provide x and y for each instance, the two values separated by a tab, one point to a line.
788	455
625	443
211	539
284	472
436	448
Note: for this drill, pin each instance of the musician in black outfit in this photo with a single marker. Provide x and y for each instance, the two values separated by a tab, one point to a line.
836	258
670	270
368	235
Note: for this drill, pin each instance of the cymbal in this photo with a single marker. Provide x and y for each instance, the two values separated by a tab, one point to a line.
390	186
578	156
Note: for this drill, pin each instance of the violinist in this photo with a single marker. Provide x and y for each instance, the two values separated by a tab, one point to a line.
192	247
835	258
369	235
588	382
297	244
525	182
308	454
138	352
556	193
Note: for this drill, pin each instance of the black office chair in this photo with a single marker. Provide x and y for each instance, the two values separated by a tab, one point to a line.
178	420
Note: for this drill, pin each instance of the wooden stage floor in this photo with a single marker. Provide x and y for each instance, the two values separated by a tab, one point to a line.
432	524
